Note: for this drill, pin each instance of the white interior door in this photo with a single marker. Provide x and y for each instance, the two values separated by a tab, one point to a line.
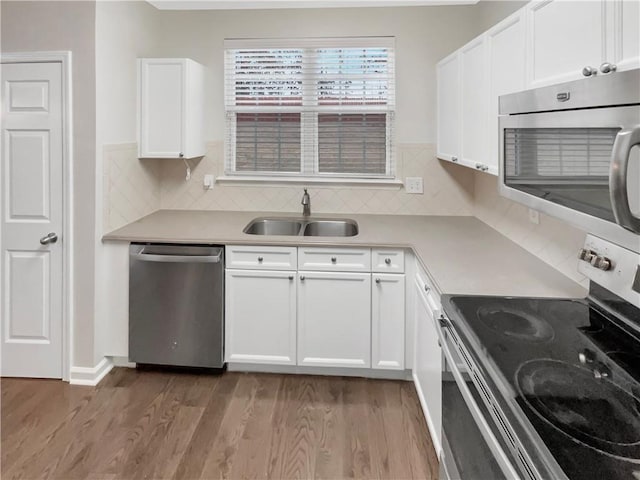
32	208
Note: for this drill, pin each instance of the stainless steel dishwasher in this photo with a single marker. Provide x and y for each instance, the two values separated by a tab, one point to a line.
176	305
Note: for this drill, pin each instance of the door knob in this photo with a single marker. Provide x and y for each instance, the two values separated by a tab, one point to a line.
589	71
49	238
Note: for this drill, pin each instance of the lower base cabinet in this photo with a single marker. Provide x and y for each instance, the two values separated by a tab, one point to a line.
260	324
315	307
387	321
427	367
334	319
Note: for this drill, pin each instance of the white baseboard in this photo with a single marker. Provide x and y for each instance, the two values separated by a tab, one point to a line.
328	371
90	376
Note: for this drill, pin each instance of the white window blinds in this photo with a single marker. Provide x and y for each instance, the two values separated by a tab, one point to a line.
310	107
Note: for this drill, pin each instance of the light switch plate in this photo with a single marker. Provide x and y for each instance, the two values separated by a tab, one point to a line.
413	185
534	216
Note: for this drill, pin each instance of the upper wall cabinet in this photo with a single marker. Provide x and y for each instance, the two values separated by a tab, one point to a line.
563	39
625	14
170	108
448	79
473	104
568	40
505	74
545	42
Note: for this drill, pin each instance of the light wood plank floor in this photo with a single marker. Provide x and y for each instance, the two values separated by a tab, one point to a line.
156	425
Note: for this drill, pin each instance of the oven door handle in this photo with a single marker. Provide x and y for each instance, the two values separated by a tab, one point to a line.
481	422
625	141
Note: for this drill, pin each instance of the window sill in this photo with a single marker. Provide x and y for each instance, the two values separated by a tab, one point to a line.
390	183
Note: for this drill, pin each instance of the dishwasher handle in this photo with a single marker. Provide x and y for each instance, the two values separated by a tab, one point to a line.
144	256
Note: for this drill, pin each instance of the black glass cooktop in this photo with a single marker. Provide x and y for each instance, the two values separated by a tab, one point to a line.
574	372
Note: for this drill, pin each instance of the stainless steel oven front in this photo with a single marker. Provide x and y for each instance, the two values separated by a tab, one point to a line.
573	151
474	438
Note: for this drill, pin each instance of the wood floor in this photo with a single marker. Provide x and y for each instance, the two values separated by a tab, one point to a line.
158	425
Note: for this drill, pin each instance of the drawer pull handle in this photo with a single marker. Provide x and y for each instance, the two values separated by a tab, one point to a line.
334	259
427	288
302	278
377	280
260	259
387	261
290	277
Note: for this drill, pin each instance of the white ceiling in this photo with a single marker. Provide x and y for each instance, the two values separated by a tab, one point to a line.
268	4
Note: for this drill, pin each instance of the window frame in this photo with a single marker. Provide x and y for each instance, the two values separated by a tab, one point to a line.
309	112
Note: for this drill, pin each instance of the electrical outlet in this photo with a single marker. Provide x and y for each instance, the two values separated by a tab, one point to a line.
208	182
534	216
413	185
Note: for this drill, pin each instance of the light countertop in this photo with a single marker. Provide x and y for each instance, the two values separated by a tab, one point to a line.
462	254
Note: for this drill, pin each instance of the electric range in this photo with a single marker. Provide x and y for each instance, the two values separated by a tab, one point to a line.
560	378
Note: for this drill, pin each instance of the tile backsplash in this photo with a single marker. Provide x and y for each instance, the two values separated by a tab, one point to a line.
131	187
448	190
553	241
134	188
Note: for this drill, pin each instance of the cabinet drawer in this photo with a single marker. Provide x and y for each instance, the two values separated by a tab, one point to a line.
335	259
387	261
261	258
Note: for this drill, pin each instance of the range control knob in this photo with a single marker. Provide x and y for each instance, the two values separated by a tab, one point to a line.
603	263
586	254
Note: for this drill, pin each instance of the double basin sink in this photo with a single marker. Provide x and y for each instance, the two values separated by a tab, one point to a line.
307	227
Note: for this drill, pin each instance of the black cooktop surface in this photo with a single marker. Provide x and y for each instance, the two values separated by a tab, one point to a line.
574	372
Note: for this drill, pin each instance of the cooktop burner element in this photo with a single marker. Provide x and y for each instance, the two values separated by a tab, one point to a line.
515	323
594	411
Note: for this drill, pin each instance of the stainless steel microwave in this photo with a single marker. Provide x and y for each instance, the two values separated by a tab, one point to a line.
572	151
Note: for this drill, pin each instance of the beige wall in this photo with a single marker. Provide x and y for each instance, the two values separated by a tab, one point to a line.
423	36
53	25
124	32
490	12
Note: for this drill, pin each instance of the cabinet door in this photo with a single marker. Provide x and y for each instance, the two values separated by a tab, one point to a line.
624	34
387	321
334	319
260	322
564	36
427	367
161	107
505	44
448	109
473	102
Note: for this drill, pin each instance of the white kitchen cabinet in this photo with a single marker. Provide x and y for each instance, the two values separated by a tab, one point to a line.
427	366
564	37
448	108
334	259
505	44
545	42
260	320
261	258
387	260
625	34
473	104
334	319
388	321
170	108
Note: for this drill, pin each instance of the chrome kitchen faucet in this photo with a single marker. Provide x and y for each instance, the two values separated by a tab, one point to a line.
306	204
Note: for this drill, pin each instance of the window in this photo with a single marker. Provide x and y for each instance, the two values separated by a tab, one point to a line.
310	107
